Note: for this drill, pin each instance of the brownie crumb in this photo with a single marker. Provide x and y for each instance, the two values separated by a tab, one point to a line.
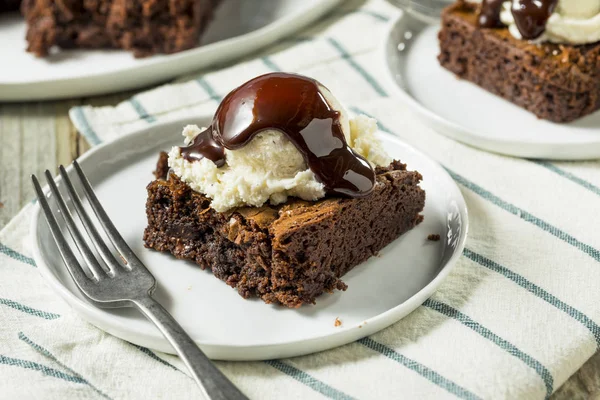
434	237
1	204
123	259
337	322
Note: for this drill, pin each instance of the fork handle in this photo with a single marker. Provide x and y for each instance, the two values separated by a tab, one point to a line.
212	382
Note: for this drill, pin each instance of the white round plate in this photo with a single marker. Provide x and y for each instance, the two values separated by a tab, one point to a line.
469	114
239	27
380	292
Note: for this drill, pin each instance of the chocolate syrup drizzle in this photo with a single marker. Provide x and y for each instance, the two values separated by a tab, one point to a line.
489	15
531	16
295	106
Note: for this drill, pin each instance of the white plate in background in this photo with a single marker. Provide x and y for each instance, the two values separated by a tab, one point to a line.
380	291
238	28
465	112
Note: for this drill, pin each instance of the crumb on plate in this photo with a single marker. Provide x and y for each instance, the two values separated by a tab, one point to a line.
434	237
337	322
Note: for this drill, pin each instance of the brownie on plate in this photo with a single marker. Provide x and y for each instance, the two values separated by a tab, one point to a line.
145	27
557	82
287	254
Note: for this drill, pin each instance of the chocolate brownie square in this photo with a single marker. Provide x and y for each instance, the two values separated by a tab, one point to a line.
560	83
145	27
287	254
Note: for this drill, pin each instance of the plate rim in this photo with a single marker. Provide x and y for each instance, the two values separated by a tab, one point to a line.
251	41
585	150
345	335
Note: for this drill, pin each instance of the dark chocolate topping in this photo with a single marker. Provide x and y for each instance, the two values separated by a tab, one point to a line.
531	16
205	146
295	106
489	15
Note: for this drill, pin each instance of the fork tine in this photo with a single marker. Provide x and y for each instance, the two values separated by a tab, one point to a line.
65	251
107	256
84	249
114	235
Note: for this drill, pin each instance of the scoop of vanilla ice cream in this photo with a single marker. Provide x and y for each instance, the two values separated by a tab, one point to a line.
269	168
578	8
363	141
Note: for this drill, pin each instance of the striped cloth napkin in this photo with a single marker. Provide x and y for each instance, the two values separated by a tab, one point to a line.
515	319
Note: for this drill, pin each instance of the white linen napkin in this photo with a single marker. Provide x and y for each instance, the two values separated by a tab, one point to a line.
515	319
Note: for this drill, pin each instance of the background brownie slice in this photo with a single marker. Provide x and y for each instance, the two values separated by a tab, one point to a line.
556	82
146	27
287	254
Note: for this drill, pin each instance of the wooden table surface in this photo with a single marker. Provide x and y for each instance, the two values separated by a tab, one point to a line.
39	136
35	137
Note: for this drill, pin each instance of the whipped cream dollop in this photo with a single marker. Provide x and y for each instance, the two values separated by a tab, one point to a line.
268	169
573	22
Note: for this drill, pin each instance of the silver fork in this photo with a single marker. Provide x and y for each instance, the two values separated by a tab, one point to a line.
123	284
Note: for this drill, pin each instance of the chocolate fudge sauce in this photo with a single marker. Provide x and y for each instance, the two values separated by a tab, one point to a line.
489	15
531	16
295	106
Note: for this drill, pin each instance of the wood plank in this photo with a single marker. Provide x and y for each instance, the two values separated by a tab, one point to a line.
65	133
10	161
38	146
33	137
